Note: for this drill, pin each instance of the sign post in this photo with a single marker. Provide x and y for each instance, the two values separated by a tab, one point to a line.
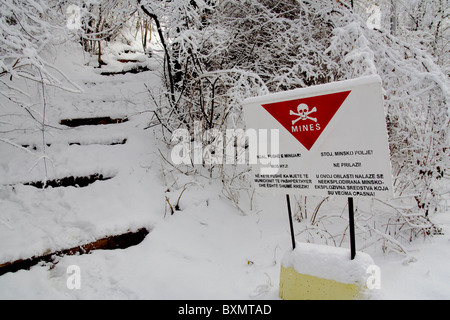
291	225
351	224
332	142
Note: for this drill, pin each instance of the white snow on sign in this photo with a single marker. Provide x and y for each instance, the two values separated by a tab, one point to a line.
333	140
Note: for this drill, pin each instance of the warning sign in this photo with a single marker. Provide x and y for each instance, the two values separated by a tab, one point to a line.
332	140
306	118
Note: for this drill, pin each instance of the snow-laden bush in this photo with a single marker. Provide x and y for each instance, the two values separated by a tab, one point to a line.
101	21
220	52
27	29
423	24
416	102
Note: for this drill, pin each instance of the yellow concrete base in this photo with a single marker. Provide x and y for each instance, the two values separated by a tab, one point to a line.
296	286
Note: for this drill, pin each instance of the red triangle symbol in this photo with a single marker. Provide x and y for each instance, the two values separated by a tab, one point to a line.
306	118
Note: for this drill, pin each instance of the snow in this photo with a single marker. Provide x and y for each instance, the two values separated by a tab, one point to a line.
327	262
424	273
206	250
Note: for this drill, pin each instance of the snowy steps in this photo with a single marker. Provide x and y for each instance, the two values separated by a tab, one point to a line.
77	122
110	242
130	64
109	142
133	70
78	182
121	241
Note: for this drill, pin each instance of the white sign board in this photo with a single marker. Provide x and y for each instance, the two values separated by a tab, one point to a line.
332	140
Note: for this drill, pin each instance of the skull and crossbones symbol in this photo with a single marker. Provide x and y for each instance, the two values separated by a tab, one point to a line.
303	113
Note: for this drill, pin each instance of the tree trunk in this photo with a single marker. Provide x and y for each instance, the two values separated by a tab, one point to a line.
166	50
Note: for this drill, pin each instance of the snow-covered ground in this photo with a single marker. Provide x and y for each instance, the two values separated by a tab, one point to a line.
206	250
